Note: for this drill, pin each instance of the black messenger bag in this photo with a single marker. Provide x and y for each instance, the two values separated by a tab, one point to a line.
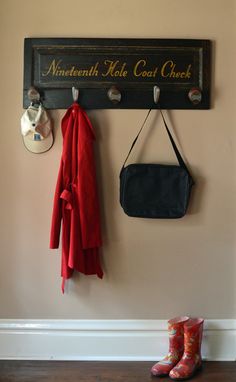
156	191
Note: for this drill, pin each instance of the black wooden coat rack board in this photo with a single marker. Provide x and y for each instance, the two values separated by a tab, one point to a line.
118	73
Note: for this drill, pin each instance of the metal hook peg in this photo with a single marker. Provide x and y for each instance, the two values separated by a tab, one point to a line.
114	94
195	95
75	94
156	93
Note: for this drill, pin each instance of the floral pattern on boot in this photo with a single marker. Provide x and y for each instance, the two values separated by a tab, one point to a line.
191	360
176	347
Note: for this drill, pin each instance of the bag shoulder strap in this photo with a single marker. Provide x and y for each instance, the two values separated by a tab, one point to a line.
177	153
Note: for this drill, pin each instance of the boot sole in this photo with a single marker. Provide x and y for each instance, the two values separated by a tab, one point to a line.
197	370
159	375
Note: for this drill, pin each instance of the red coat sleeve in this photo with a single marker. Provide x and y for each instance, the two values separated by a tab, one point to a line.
57	211
87	187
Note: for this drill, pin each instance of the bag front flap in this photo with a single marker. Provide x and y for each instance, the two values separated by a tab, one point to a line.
154	186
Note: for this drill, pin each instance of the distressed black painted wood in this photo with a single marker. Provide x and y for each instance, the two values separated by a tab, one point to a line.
134	66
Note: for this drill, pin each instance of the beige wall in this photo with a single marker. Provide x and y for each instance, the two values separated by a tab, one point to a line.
153	269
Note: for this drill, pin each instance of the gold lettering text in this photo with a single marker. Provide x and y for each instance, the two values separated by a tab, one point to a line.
115	69
53	67
139	72
169	70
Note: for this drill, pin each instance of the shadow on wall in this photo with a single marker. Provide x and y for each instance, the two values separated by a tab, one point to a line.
105	173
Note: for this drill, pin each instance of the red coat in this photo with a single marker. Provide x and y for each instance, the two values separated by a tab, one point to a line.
76	200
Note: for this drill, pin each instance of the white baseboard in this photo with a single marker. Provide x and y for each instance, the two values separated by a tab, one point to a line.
106	340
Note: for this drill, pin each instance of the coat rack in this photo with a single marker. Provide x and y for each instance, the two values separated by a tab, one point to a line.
118	73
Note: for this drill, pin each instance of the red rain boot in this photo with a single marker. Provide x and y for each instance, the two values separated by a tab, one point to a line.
176	347
191	360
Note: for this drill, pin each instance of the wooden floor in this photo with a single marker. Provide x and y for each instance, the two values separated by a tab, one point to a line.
56	371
